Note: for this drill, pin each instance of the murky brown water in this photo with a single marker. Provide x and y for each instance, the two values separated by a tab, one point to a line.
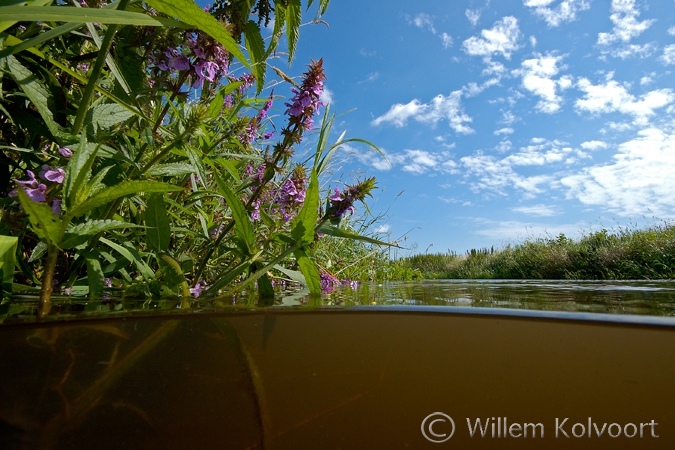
335	378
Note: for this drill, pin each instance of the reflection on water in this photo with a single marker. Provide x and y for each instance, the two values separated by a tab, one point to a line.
645	298
656	298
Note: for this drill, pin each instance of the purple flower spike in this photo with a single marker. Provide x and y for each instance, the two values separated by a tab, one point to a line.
66	152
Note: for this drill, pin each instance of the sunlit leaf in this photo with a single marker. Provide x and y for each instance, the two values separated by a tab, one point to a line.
304	223
158	232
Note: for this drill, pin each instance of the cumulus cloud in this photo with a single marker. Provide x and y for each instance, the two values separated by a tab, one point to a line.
671	31
537	77
537	210
507	230
593	145
473	89
505	130
502	39
566	11
639	181
614	97
626	26
414	161
439	108
668	56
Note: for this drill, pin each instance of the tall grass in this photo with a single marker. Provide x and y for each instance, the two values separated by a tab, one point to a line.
624	253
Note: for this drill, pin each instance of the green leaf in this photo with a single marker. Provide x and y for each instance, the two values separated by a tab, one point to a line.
158	232
39	95
80	234
189	12
170	170
7	261
242	223
265	288
305	222
256	51
294	275
331	230
279	20
309	270
132	255
121	190
83	15
108	115
95	276
218	102
293	18
45	223
78	172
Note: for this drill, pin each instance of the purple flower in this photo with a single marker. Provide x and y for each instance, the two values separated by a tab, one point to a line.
199	287
54	175
56	206
328	282
34	189
336	197
352	284
66	152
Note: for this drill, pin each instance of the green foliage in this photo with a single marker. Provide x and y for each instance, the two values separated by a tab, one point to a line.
141	159
7	261
625	254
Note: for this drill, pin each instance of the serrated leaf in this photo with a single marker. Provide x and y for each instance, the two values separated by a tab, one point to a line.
37	253
279	20
80	234
309	270
305	221
38	94
256	51
122	189
242	223
8	246
108	115
158	232
189	12
293	18
45	223
171	170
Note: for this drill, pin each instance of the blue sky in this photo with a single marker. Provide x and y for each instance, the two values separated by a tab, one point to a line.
503	119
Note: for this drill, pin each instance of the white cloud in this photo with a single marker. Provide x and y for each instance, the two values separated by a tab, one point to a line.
633	50
506	230
626	26
614	97
327	96
537	75
509	118
439	108
505	130
422	20
533	41
640	180
473	16
504	146
502	39
413	161
447	40
373	76
566	11
472	89
364	52
671	31
647	79
668	56
537	210
593	145
383	229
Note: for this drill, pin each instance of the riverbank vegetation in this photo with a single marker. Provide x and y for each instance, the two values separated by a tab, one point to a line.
624	253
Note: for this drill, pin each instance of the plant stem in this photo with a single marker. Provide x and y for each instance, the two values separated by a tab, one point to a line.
96	71
45	304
